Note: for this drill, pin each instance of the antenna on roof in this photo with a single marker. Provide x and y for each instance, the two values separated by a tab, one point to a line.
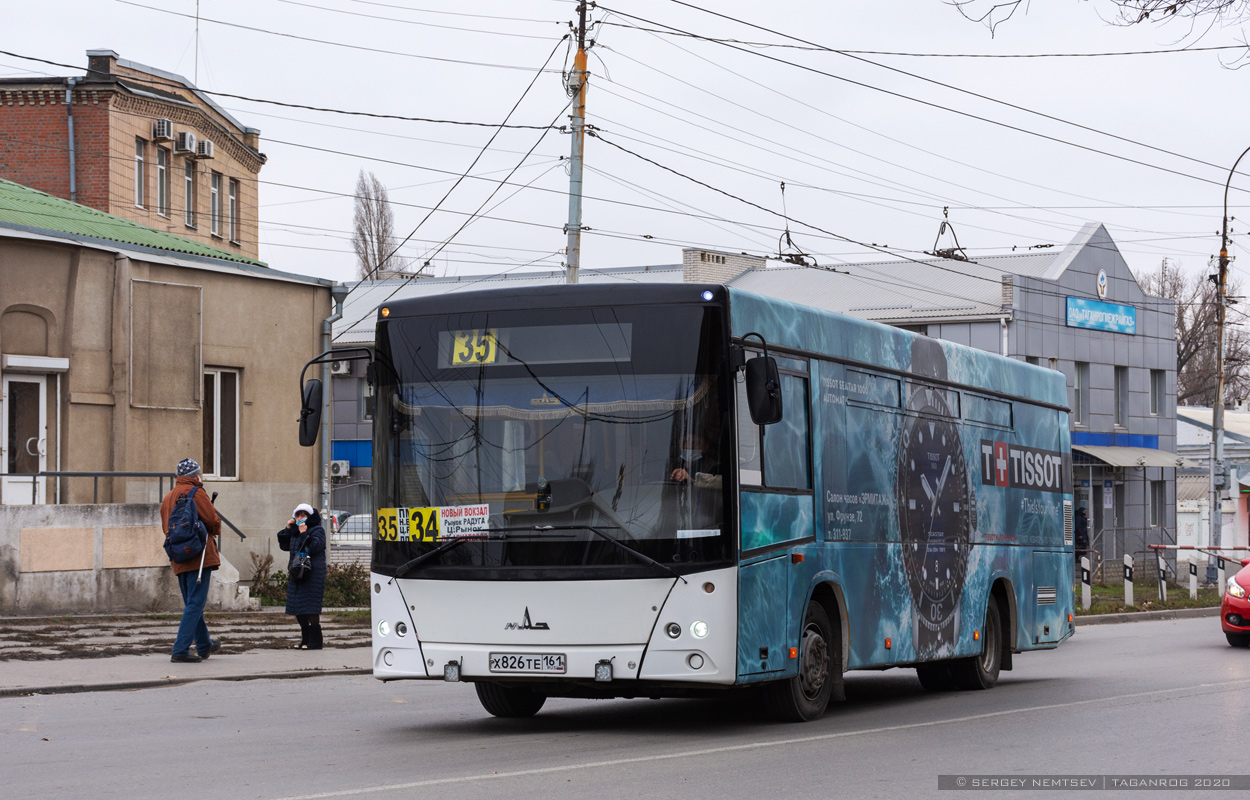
955	253
786	242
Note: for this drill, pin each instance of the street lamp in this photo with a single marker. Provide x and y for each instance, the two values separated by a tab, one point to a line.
1217	410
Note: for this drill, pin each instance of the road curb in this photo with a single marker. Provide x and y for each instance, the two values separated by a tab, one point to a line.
123	686
1145	616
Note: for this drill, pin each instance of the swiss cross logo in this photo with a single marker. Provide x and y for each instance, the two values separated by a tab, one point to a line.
1000	464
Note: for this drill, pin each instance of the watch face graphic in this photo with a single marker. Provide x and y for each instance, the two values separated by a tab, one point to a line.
936	514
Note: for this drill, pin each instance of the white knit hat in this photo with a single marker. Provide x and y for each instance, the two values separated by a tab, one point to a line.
307	509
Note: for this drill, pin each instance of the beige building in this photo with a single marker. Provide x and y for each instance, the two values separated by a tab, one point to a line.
139	143
126	349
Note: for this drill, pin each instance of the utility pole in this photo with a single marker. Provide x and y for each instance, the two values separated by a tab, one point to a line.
1217	412
577	86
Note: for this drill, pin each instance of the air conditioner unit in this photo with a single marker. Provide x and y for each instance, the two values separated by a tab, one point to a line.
340	368
340	469
204	149
185	142
163	130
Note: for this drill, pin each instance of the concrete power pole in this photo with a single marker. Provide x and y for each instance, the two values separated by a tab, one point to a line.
577	86
1218	475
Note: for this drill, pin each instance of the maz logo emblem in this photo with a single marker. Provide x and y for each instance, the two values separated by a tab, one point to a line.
526	625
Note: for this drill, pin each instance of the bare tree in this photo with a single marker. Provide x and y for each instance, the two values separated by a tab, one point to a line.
1200	15
1196	330
373	230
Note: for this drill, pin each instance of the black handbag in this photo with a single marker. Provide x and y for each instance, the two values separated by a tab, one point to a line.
301	562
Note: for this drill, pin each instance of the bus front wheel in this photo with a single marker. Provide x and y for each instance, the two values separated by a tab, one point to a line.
805	697
981	671
504	701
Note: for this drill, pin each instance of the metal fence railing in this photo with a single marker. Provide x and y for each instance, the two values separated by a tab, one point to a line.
95	475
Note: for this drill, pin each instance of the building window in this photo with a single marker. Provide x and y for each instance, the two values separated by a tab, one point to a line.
365	401
189	184
1157	500
1080	403
215	204
221	423
1121	397
1156	391
162	181
140	173
1034	360
234	210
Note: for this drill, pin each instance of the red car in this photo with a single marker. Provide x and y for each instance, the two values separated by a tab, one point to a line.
1235	610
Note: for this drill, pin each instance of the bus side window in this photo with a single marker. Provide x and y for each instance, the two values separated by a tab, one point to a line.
750	472
786	462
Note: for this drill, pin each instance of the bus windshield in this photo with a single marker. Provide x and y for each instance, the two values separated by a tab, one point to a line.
538	435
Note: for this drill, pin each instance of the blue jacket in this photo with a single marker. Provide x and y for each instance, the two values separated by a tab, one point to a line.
304	597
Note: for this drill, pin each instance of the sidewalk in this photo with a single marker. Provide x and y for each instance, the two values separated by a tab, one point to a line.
146	671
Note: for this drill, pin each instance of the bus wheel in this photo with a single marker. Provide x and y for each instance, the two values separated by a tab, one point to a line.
935	677
981	672
804	697
504	701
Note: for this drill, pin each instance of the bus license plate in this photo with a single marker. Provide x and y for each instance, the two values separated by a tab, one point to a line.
527	662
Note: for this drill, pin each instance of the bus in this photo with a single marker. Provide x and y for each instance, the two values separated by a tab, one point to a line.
661	490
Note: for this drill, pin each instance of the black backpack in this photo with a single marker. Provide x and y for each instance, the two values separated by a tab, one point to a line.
186	537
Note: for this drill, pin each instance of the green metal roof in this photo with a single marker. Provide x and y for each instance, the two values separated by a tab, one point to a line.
27	209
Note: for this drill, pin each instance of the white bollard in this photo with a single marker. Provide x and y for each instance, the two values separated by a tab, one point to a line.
1193	578
1219	572
1085	598
1163	579
1128	580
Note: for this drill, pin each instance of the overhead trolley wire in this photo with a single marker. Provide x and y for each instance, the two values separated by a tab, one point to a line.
327	42
176	85
949	109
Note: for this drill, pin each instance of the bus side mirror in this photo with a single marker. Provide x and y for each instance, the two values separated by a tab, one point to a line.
763	390
310	413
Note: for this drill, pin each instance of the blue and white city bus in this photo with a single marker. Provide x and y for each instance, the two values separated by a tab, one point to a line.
677	490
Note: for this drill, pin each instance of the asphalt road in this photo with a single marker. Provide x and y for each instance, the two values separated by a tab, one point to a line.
1166	697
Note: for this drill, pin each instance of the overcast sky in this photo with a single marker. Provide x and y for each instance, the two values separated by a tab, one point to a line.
860	161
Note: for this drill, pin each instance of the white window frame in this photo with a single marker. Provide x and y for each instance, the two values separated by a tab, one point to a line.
1080	409
140	173
162	181
214	206
188	184
217	372
1158	500
234	210
1121	397
1157	377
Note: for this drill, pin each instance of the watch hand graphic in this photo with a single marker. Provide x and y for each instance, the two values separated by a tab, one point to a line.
924	484
946	471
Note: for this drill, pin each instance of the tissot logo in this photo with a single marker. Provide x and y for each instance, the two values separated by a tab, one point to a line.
1009	466
526	625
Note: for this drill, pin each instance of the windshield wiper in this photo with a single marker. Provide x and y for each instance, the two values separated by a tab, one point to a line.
480	535
640	556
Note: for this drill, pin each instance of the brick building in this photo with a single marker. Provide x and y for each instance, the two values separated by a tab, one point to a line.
138	143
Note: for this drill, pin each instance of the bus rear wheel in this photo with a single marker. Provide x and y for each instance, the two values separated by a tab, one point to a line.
805	697
981	672
505	701
935	677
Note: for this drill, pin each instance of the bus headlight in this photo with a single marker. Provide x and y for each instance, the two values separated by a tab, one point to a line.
698	629
384	628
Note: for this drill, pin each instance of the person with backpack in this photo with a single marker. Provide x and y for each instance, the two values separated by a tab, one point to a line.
305	538
192	527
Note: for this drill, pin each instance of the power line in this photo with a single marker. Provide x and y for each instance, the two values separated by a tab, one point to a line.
421	24
449	13
819	49
323	41
176	85
948	109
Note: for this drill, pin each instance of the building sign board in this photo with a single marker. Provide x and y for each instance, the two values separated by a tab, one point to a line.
1099	316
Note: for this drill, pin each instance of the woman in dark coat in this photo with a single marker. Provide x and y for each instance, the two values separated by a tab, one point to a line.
304	533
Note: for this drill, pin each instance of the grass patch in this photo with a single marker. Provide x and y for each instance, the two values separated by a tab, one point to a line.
1110	599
